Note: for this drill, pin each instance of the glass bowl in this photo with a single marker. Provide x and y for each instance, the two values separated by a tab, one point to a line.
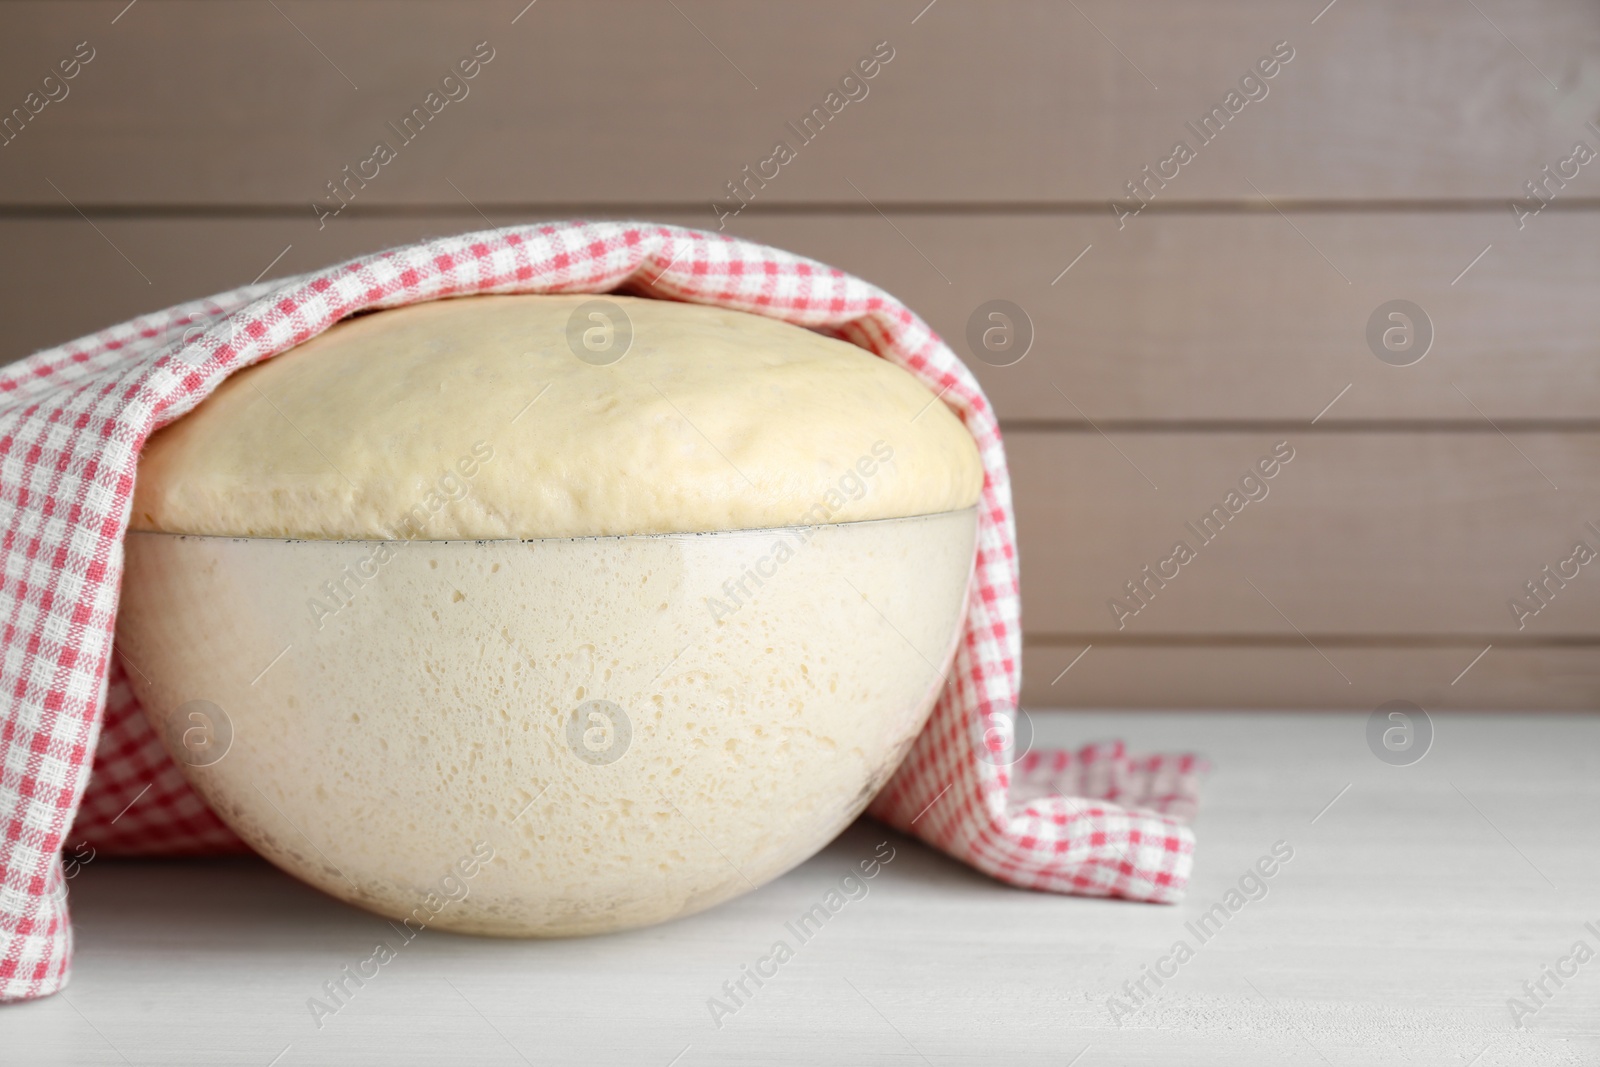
545	737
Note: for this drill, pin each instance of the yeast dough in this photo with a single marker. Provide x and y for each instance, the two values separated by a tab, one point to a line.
473	418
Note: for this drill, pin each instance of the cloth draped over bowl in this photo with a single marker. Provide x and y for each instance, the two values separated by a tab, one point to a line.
81	767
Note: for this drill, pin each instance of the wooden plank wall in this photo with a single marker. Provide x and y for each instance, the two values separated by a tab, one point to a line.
1388	157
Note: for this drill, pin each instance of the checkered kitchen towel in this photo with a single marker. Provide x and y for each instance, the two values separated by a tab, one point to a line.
72	421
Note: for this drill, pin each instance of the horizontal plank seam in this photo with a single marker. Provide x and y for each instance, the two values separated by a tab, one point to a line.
1299	426
1332	640
562	208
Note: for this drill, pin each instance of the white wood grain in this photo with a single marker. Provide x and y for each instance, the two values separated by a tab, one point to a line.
628	102
1183	317
1413	908
1219	673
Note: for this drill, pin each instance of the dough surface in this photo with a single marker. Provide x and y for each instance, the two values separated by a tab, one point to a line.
472	418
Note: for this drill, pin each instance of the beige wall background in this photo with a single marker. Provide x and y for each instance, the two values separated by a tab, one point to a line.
1394	157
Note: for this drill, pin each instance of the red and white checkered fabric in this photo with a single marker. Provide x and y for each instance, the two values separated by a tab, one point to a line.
72	422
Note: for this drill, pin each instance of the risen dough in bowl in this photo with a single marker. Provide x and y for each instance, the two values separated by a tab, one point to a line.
466	629
711	420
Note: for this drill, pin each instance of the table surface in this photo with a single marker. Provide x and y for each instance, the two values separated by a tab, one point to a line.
1418	901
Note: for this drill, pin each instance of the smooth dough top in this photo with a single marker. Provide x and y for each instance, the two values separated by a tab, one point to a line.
472	418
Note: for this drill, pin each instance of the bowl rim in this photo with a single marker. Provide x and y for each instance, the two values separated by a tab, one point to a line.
685	535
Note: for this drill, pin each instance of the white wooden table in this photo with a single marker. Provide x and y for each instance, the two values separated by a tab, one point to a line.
1413	908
